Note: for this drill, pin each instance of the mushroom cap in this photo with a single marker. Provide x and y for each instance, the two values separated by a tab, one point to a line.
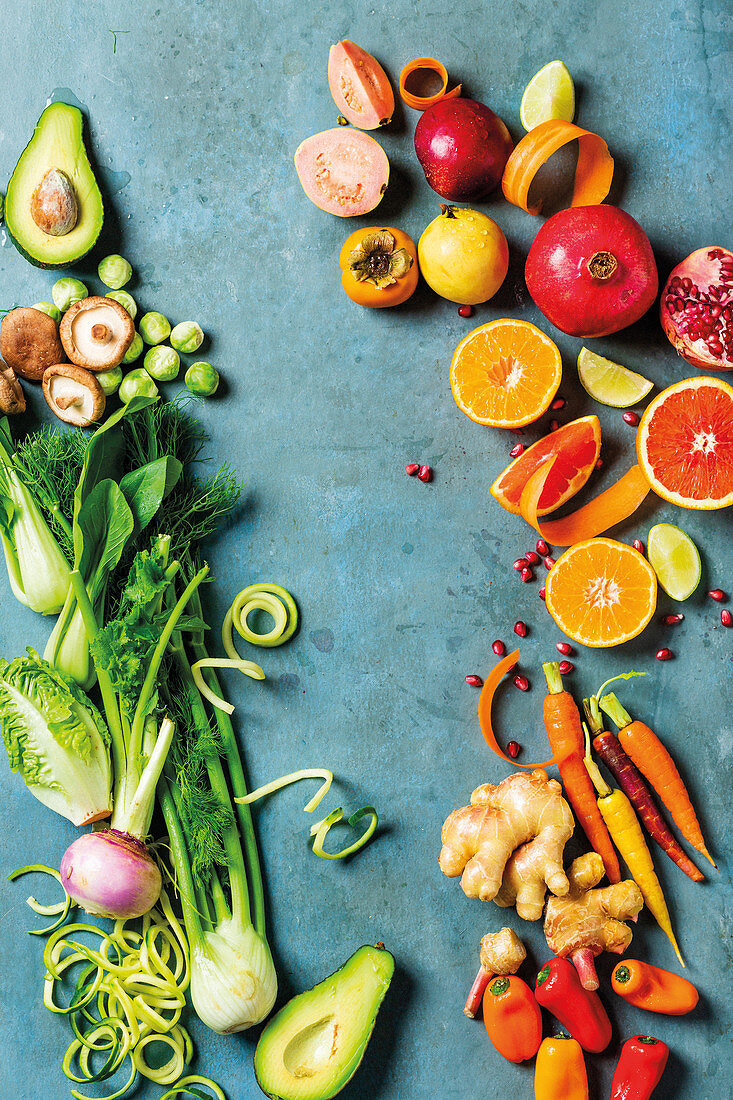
12	398
96	332
73	394
29	342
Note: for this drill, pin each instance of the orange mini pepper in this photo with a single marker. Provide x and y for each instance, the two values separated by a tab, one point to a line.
559	1072
379	267
654	989
512	1018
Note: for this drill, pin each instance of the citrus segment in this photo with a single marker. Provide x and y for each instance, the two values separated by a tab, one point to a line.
675	559
549	94
601	592
685	443
576	446
505	373
609	383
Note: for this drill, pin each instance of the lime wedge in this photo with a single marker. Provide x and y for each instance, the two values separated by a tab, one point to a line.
549	94
675	559
610	383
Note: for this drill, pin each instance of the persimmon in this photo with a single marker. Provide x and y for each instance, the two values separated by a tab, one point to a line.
379	267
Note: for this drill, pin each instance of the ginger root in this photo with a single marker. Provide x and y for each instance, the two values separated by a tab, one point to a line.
501	953
525	812
588	921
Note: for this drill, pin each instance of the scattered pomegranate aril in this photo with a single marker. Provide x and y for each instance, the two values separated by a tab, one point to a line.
631	418
542	547
717	594
532	558
565	648
520	564
425	473
672	619
663	654
565	667
474	681
541	593
638	546
465	311
521	629
517	450
726	617
549	562
554	425
513	749
526	575
599	463
520	682
411	468
558	403
498	647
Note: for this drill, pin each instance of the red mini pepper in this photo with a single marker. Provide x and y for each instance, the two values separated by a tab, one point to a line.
640	1068
579	1010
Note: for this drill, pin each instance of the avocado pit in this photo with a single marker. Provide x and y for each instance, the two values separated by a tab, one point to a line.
54	208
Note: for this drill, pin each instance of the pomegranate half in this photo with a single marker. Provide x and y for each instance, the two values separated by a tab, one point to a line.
696	308
462	147
343	171
591	270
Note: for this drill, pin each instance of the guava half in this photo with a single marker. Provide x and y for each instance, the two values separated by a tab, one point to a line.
343	171
359	85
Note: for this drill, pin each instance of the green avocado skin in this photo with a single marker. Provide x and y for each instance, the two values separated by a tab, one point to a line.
57	142
326	1028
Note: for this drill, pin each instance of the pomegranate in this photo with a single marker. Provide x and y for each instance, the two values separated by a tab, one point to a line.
591	270
462	147
696	309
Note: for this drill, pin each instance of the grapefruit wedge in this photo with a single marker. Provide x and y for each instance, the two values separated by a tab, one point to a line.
575	447
685	444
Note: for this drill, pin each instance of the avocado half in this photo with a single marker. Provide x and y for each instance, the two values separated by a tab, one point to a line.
314	1045
57	142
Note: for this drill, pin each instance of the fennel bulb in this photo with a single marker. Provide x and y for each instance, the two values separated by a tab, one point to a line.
233	980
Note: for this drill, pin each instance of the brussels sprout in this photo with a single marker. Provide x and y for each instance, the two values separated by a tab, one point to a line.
109	380
114	271
49	308
154	328
202	379
135	349
187	337
66	291
126	301
162	363
137	383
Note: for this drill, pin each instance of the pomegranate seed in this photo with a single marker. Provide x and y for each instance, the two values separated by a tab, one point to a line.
599	463
521	629
474	681
717	594
549	562
517	450
521	682
542	547
565	648
726	618
566	667
513	748
526	575
554	425
520	564
465	311
558	403
498	647
638	546
532	558
672	620
631	418
663	654
541	593
411	468
425	473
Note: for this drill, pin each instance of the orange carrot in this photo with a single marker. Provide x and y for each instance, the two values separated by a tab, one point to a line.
567	741
486	698
656	765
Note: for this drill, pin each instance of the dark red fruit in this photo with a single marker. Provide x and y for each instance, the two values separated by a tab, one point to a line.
631	418
521	629
717	594
462	147
541	593
425	473
696	309
520	564
558	403
513	749
474	681
565	648
664	654
599	463
520	682
527	575
517	450
532	558
498	647
542	547
465	311
726	618
411	468
591	270
554	425
549	562
565	667
672	620
638	546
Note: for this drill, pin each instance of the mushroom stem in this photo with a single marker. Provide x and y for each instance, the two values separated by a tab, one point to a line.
72	401
100	333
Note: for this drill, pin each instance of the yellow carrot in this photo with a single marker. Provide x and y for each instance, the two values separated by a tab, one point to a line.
627	835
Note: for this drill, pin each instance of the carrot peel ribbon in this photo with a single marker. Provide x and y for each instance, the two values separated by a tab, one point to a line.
593	173
486	698
431	65
607	509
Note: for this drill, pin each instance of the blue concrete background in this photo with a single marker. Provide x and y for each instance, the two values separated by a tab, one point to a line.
402	586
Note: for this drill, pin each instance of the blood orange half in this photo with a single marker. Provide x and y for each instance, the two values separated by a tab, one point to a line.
685	443
576	445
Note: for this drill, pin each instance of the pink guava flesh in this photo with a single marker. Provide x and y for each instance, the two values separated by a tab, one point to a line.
342	171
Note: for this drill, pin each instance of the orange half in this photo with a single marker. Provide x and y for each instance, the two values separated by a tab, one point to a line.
601	592
685	443
575	446
505	373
